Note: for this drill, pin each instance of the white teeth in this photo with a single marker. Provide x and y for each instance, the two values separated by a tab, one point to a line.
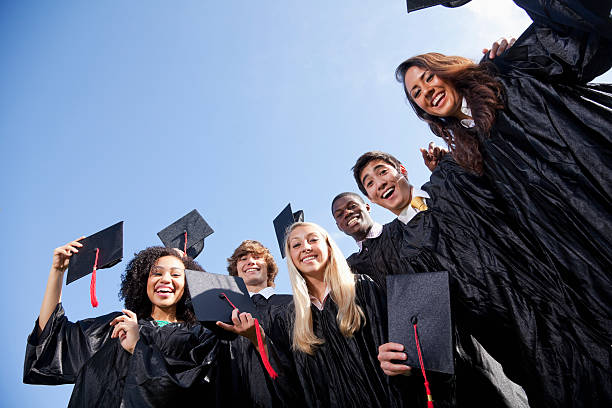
437	99
308	258
352	221
252	270
387	193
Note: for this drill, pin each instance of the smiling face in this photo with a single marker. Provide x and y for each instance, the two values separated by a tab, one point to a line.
352	216
432	94
253	269
309	251
166	283
386	186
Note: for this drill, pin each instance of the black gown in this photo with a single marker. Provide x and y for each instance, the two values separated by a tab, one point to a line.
252	386
549	154
343	372
505	296
170	364
453	235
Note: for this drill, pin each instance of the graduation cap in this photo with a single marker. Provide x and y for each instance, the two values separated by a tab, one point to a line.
283	221
187	234
215	296
100	250
420	318
421	4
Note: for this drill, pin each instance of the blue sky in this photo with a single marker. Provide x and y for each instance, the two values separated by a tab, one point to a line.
144	110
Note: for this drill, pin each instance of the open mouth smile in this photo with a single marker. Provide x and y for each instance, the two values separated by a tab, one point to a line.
437	99
388	193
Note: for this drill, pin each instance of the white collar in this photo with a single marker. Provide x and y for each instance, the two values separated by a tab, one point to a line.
407	214
466	123
416	192
316	301
374	232
265	292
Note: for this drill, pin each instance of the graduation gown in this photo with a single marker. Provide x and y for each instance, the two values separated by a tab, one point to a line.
505	296
382	256
170	364
427	244
343	372
252	386
549	153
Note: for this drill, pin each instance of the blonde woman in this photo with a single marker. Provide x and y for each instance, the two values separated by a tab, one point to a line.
325	343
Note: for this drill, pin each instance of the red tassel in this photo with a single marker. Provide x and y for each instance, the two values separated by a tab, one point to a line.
92	285
430	403
260	345
262	352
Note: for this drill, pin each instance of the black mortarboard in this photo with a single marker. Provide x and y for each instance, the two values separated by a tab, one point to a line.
283	221
421	4
214	296
187	234
100	250
424	299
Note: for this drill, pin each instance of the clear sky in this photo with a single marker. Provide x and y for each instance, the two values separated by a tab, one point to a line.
144	110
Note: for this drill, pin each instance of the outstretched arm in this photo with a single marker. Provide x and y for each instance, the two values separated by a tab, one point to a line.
53	292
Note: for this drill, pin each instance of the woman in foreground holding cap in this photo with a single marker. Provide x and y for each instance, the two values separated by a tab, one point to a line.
153	354
325	342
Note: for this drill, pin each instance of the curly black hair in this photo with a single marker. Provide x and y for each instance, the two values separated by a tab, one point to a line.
134	283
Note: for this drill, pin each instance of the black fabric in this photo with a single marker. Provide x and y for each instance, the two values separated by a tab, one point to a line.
170	364
549	157
343	372
422	246
252	386
549	153
383	255
509	298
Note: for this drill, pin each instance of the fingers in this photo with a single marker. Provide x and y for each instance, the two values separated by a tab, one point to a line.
485	50
228	327
503	45
512	41
395	369
118	319
119	329
390	347
493	51
130	314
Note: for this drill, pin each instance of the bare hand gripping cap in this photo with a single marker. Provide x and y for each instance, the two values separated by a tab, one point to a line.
100	251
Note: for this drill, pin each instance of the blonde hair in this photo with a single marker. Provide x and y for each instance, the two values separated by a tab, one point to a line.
339	279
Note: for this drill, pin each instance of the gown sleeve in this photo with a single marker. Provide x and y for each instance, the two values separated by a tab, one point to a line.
569	41
58	353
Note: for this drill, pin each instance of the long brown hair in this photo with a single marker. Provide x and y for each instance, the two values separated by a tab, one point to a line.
484	96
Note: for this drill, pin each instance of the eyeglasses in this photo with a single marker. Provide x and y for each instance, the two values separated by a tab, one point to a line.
159	270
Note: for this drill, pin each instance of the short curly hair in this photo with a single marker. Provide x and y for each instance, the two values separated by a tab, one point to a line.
134	283
253	247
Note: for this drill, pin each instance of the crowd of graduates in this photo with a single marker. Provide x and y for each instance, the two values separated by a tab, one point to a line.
516	212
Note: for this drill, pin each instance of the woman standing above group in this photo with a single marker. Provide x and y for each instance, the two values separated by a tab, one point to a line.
530	123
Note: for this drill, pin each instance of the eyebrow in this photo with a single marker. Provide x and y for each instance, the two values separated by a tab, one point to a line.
421	78
375	168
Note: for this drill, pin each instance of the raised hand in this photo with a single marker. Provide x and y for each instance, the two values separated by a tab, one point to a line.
126	329
61	255
244	325
499	47
433	155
